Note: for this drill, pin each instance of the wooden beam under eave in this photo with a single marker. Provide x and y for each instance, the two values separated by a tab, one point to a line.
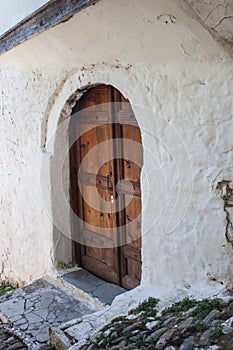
51	14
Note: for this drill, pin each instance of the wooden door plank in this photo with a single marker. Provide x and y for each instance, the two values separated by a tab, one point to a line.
129	190
129	282
95	177
100	269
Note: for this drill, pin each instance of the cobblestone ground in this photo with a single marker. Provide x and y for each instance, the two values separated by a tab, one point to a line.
8	341
188	325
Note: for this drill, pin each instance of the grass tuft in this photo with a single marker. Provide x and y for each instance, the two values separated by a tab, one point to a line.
216	333
181	306
147	308
5	288
205	306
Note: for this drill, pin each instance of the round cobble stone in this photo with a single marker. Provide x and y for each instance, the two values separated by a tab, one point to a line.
9	341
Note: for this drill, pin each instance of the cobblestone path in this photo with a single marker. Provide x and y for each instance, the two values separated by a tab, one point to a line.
9	341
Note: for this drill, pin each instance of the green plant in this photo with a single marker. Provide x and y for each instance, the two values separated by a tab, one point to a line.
147	308
181	306
216	333
192	347
143	338
102	340
224	315
4	288
201	327
205	306
118	326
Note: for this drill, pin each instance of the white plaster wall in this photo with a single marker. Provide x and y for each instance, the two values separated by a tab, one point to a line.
179	83
26	235
14	11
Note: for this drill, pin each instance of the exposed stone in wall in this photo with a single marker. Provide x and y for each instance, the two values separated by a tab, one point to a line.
67	109
226	191
222	184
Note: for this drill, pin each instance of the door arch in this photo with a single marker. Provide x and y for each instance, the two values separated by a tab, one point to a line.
105	168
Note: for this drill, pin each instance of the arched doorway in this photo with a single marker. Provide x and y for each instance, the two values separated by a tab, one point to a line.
105	168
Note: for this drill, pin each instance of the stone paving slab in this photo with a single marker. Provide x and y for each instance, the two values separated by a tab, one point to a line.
93	286
34	308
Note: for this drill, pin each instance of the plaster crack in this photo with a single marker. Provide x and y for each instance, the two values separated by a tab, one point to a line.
223	19
215	9
206	2
50	310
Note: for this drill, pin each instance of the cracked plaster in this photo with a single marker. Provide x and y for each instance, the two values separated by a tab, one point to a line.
217	15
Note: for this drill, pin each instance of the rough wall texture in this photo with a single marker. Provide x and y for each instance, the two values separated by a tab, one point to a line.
179	83
201	105
25	247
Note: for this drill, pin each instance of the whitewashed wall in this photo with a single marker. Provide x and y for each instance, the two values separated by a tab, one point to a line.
179	83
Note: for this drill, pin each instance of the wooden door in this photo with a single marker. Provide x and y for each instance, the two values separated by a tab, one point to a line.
105	191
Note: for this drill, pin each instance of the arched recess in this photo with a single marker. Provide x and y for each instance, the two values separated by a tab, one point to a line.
105	168
55	145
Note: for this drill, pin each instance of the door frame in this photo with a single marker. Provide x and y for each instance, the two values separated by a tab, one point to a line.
58	111
133	258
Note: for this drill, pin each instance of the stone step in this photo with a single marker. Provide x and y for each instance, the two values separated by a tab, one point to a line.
94	289
51	302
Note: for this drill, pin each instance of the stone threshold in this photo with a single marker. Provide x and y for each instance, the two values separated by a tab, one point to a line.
94	289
